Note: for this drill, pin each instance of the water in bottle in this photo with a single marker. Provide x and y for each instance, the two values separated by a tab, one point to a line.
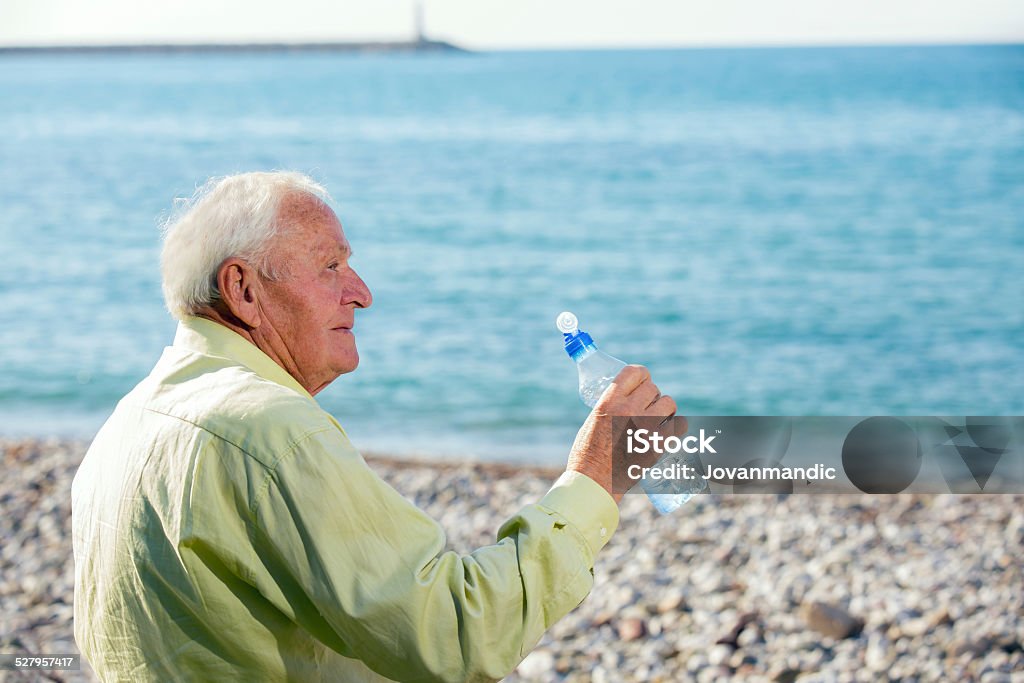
596	371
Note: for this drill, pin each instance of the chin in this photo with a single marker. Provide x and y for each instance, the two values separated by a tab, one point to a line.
336	371
345	359
347	365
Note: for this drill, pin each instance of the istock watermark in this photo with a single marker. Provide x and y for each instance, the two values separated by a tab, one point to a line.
645	441
779	454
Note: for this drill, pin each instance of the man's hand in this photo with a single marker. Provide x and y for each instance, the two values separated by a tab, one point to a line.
631	394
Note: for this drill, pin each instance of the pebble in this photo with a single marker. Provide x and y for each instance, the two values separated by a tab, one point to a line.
918	587
714	674
732	637
719	655
971	646
831	620
673	600
995	677
536	664
750	637
879	654
632	629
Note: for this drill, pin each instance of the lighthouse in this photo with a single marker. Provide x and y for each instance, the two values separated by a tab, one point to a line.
421	36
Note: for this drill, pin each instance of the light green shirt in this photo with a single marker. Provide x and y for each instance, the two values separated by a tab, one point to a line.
225	529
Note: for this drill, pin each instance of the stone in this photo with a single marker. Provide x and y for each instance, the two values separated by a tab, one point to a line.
672	601
939	617
996	677
632	628
750	636
742	660
538	664
731	638
786	676
714	674
974	647
830	620
914	628
612	659
696	662
719	655
878	655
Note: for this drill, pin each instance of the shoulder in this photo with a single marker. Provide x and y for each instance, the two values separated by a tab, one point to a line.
261	418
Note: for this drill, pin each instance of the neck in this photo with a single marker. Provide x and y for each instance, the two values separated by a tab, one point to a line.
270	344
230	321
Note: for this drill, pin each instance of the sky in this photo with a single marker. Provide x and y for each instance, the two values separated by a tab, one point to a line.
504	24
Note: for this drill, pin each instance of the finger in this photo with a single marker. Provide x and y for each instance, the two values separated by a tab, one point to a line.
629	378
676	425
663	407
644	396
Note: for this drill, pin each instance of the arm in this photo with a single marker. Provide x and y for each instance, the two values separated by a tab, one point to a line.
362	569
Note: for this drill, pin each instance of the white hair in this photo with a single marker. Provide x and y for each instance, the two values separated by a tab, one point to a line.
231	216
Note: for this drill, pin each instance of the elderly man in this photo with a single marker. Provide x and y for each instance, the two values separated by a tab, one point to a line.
225	529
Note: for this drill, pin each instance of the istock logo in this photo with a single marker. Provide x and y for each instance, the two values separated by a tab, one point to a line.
642	441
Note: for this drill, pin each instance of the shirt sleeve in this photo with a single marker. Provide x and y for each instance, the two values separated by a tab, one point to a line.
364	570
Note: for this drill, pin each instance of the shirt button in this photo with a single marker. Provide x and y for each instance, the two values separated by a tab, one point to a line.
604	532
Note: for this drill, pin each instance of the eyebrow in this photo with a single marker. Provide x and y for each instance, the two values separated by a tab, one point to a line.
336	252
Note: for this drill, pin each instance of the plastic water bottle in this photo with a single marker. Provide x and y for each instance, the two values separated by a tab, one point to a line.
596	371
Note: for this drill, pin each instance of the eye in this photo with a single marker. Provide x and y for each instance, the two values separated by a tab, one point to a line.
333	266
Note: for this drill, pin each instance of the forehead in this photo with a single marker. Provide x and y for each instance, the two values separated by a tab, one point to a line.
310	226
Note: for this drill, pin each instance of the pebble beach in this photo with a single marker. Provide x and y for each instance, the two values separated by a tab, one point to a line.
752	588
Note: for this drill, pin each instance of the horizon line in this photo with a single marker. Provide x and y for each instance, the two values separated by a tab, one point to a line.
396	45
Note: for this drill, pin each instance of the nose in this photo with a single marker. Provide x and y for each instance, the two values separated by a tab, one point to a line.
358	293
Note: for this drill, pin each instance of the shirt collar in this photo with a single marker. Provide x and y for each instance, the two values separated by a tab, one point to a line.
213	339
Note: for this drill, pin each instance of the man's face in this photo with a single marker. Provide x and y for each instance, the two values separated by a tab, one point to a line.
311	309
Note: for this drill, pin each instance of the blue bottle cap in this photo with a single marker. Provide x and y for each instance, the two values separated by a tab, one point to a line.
576	343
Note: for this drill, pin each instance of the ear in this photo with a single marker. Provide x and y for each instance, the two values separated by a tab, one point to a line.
240	288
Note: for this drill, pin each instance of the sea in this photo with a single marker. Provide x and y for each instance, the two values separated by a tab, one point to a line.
813	231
